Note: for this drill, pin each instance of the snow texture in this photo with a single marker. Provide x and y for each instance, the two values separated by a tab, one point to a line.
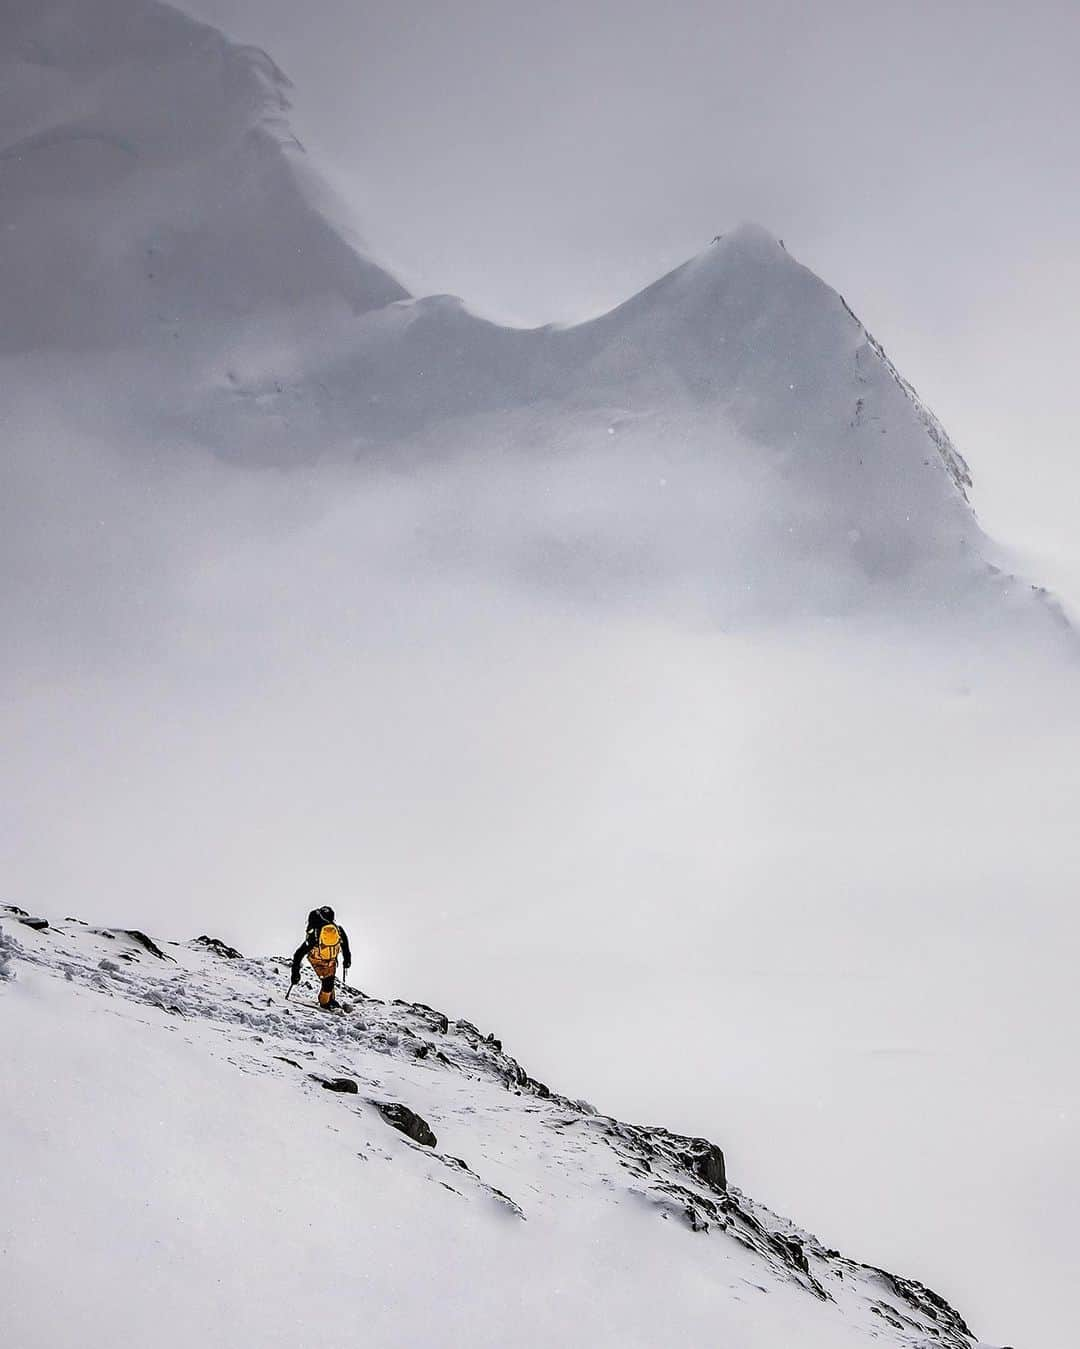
180	1163
9	949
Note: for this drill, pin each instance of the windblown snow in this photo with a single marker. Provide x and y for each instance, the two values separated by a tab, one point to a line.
201	1161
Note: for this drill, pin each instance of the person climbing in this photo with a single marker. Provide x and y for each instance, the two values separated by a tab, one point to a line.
324	942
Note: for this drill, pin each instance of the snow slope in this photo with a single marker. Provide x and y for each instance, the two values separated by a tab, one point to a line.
182	1174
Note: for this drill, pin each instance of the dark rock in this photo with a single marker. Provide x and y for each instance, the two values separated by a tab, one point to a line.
438	1021
795	1252
924	1300
218	947
408	1121
342	1084
147	943
140	938
707	1163
540	1088
14	908
38	924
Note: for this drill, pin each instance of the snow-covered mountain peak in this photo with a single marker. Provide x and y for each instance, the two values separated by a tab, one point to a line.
746	257
150	188
747	243
97	94
732	431
368	1149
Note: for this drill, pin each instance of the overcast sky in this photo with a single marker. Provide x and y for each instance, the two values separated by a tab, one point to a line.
783	891
546	161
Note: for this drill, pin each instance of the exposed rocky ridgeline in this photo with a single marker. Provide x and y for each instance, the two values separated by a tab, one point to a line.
427	1075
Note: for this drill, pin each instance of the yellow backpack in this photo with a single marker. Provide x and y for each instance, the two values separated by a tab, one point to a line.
329	944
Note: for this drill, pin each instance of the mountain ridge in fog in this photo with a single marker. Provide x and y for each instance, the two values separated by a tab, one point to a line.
733	423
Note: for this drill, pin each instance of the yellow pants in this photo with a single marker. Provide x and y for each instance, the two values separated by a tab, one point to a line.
327	972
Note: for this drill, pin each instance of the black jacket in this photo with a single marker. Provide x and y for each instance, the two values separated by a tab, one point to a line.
311	940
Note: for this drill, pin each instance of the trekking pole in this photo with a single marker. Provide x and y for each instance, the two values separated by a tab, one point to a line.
291	987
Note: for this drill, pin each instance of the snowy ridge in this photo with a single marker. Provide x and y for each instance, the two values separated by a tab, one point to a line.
151	191
731	434
953	460
198	1018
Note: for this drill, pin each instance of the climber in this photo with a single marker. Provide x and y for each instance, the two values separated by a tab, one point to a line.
324	941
